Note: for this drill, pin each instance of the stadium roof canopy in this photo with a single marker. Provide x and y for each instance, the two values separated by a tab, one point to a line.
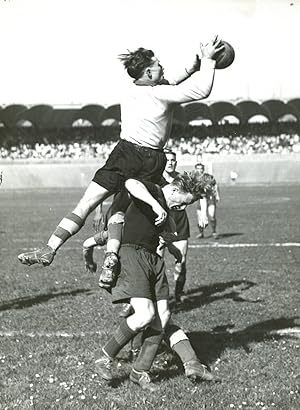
276	108
112	113
91	114
197	111
294	105
45	116
37	115
8	115
251	109
222	109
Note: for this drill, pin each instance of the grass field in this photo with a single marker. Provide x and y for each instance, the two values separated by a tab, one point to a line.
241	310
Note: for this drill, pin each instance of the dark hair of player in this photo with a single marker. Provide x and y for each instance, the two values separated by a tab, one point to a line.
170	152
194	184
199	165
136	61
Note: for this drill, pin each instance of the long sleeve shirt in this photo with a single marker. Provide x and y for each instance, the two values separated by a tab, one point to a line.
147	111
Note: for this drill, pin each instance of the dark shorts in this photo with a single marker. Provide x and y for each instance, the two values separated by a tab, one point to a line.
128	160
211	200
182	224
142	275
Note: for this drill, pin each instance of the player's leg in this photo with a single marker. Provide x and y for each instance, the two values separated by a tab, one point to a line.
67	227
212	215
199	223
179	342
152	337
115	224
180	269
144	313
123	162
110	235
164	316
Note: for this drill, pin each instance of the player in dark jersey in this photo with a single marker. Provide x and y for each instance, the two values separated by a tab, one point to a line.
182	230
142	280
207	208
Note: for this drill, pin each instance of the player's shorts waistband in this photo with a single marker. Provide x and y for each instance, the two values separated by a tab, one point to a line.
142	148
137	247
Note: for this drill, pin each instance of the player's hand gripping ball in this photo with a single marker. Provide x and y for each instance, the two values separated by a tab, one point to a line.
225	57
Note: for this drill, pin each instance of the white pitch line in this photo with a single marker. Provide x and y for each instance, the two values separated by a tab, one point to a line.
18	334
246	245
290	332
294	332
205	245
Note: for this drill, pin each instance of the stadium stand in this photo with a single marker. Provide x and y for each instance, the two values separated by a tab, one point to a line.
247	127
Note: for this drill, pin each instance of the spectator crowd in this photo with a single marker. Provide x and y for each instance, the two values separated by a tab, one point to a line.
195	141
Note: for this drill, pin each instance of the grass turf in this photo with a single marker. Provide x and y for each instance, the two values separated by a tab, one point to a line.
240	310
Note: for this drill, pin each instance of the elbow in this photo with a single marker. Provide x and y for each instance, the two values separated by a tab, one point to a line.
207	91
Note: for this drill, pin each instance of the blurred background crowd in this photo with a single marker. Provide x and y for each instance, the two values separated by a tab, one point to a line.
84	143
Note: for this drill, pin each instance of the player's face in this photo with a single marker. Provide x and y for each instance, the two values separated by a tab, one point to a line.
200	170
157	71
179	200
171	163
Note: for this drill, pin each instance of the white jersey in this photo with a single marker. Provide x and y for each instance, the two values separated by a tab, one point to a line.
147	111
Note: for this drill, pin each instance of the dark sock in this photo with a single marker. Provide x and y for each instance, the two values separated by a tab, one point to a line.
185	351
121	337
180	282
152	340
213	223
179	343
115	231
137	341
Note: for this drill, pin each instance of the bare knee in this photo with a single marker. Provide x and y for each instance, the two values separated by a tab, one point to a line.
117	218
144	318
92	197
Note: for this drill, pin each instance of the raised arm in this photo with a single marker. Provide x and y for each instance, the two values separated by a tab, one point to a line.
187	72
138	190
199	84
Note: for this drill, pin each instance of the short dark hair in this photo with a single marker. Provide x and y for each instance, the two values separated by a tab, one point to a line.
194	184
169	151
199	164
136	61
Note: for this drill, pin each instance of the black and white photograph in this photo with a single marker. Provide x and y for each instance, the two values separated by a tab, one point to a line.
150	204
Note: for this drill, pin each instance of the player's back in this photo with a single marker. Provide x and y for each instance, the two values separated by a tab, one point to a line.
139	227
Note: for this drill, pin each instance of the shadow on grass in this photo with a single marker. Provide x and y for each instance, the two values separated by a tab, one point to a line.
204	295
223	235
21	303
209	346
228	235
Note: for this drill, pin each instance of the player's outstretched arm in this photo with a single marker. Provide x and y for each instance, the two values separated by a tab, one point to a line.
188	71
138	190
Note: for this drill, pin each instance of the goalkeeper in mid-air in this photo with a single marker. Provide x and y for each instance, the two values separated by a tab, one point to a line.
146	115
